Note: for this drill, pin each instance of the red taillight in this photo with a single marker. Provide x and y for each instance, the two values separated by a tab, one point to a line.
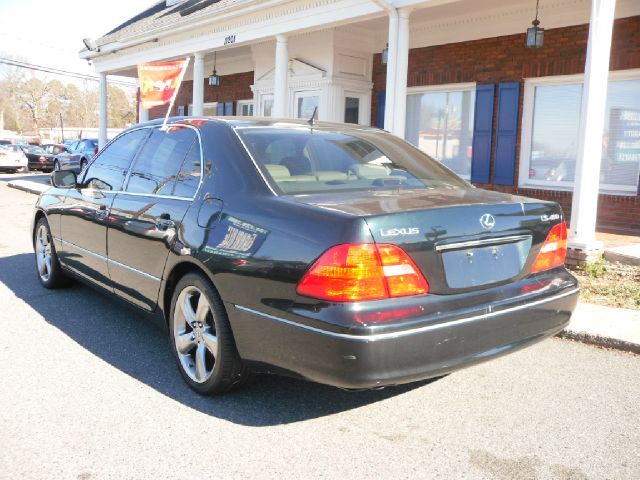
554	249
95	152
366	271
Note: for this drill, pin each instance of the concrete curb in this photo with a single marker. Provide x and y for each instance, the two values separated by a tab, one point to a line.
29	187
617	328
600	341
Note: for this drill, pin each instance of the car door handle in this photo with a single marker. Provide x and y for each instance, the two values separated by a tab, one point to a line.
102	212
165	222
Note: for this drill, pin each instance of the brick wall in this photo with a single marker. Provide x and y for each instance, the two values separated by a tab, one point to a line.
505	59
232	88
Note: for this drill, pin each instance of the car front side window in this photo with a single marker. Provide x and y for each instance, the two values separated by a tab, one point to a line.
109	169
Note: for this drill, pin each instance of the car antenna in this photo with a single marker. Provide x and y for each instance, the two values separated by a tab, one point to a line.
312	120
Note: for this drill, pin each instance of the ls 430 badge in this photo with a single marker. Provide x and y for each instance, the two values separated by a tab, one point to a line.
394	232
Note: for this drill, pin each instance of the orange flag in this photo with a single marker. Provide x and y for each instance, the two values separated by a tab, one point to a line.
159	82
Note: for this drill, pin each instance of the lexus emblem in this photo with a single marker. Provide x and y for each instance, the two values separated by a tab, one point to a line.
487	221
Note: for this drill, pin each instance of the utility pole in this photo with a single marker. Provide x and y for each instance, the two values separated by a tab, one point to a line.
61	128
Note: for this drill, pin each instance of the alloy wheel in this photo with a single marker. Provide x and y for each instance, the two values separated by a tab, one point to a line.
194	334
43	252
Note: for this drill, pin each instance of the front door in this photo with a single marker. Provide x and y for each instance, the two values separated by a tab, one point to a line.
85	212
145	221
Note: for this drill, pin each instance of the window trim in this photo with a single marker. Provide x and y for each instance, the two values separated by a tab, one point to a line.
526	133
128	172
443	88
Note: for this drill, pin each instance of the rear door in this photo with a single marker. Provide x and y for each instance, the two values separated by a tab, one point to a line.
146	217
85	211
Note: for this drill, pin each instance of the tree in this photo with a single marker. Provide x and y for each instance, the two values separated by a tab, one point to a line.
30	102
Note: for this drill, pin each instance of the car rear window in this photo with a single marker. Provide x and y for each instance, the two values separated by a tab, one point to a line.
303	160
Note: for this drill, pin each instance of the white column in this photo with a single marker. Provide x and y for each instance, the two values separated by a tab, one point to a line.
392	55
102	112
143	114
402	70
280	90
584	206
198	84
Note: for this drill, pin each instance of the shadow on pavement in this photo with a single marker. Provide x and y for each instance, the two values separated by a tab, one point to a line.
139	348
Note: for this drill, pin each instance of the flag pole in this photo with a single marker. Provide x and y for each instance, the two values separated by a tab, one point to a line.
175	94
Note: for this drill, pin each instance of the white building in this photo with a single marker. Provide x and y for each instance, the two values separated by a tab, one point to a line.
458	82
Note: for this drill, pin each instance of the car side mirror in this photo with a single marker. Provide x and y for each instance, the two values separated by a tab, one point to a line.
64	179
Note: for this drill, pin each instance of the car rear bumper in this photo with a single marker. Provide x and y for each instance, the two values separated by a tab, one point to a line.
429	349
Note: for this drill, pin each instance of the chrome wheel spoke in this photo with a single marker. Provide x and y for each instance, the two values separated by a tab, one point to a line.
201	366
211	342
202	310
185	343
187	310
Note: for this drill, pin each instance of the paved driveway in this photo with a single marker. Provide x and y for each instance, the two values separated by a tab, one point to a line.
88	389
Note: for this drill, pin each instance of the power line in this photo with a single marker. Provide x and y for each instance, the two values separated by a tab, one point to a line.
57	71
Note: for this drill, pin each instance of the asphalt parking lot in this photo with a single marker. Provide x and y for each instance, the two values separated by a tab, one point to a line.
88	389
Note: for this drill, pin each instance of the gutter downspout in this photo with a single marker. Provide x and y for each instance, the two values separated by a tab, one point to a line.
392	60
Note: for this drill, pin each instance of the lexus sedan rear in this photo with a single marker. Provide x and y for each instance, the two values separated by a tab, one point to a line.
339	254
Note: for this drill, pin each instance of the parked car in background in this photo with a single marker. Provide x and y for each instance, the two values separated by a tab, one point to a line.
77	155
54	148
336	253
12	158
38	158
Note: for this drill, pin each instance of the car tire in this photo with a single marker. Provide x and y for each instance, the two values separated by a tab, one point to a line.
56	166
201	338
48	266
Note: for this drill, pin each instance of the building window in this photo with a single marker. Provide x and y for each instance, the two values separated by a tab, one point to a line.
245	108
440	123
267	105
306	103
550	133
351	110
208	109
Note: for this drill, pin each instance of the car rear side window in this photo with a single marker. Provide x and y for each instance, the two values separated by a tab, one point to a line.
308	160
158	165
109	169
189	175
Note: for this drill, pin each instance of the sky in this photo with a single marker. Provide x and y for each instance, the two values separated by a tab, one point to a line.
50	32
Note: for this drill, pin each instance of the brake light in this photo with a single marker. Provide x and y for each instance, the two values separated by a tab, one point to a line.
95	152
554	249
365	271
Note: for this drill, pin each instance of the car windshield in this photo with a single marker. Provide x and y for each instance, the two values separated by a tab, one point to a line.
313	160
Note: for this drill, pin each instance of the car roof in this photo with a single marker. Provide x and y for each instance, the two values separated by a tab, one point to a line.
239	122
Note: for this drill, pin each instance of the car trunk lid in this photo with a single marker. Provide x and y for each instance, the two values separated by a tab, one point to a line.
461	239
